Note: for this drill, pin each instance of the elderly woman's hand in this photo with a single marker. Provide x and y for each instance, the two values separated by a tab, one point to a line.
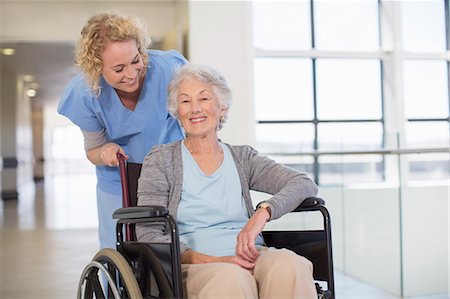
245	245
237	261
194	257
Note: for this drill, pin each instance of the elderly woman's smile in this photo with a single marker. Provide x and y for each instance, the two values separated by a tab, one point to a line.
199	109
198	119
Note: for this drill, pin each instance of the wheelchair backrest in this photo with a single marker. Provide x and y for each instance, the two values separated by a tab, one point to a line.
133	173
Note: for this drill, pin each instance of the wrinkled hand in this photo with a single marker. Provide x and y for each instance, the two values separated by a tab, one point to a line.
108	154
195	257
238	261
245	245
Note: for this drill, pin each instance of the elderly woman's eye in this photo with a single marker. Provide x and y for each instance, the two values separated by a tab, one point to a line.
204	99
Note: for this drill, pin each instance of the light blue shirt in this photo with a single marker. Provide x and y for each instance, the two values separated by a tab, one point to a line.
135	131
212	211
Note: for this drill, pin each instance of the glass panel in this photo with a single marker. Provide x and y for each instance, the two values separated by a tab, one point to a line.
283	89
281	25
427	134
425	89
284	138
429	166
349	169
350	136
348	89
346	25
423	25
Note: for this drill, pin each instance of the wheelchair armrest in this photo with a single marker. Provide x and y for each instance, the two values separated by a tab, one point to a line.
140	212
310	202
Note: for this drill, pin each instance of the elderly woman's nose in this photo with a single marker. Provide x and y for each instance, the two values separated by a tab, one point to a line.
196	106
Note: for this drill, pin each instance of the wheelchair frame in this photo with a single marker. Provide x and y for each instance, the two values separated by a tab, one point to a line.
127	269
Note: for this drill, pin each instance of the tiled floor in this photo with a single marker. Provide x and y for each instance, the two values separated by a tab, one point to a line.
49	235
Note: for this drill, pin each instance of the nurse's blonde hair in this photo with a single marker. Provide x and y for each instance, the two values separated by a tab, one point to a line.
100	30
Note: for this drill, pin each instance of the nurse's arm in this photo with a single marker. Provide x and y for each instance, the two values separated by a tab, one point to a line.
99	151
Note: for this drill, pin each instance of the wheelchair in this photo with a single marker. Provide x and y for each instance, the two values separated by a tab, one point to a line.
153	270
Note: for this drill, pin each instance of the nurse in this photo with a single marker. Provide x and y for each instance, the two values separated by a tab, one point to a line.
119	103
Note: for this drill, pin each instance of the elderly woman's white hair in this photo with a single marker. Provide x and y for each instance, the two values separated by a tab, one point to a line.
206	75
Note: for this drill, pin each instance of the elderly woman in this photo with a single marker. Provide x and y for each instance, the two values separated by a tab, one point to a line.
205	184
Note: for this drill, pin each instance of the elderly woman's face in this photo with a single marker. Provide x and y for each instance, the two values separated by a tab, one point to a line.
122	65
199	110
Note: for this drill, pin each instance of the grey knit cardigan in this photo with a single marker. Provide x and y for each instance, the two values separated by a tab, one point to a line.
161	182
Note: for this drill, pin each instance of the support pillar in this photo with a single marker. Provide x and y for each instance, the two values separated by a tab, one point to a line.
9	162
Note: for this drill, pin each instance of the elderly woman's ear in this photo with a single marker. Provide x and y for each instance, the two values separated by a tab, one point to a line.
223	114
224	111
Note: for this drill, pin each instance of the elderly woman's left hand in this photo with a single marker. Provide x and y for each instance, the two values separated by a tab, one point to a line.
245	245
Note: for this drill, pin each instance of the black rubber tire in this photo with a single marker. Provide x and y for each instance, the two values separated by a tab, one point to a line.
111	256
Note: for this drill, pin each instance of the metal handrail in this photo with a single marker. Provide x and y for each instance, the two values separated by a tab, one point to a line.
366	152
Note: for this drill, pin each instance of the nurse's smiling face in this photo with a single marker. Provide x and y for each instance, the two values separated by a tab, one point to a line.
122	66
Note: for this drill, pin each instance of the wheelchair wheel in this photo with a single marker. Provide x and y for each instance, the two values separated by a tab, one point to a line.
111	267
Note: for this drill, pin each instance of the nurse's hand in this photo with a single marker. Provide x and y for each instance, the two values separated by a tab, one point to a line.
106	155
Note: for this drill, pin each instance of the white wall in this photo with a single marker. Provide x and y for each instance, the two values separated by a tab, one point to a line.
24	137
220	36
372	236
425	239
41	20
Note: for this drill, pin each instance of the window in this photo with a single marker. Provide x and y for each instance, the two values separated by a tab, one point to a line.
321	83
348	89
290	96
423	25
346	25
290	19
426	85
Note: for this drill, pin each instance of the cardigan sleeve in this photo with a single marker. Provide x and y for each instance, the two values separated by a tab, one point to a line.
154	188
287	186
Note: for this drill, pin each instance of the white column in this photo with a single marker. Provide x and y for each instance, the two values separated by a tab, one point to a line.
220	35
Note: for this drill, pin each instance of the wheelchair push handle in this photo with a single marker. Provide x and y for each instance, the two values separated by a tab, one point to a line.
126	201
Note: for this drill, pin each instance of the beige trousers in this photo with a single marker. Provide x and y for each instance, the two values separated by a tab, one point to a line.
278	273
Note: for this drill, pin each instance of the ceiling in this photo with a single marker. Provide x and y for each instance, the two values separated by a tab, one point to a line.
50	64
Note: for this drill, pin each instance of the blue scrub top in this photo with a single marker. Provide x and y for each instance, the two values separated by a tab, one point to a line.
135	131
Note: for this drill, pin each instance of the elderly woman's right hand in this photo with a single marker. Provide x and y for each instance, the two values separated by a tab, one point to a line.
194	257
108	154
238	261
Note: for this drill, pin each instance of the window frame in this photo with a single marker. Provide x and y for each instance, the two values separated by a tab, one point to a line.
390	59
